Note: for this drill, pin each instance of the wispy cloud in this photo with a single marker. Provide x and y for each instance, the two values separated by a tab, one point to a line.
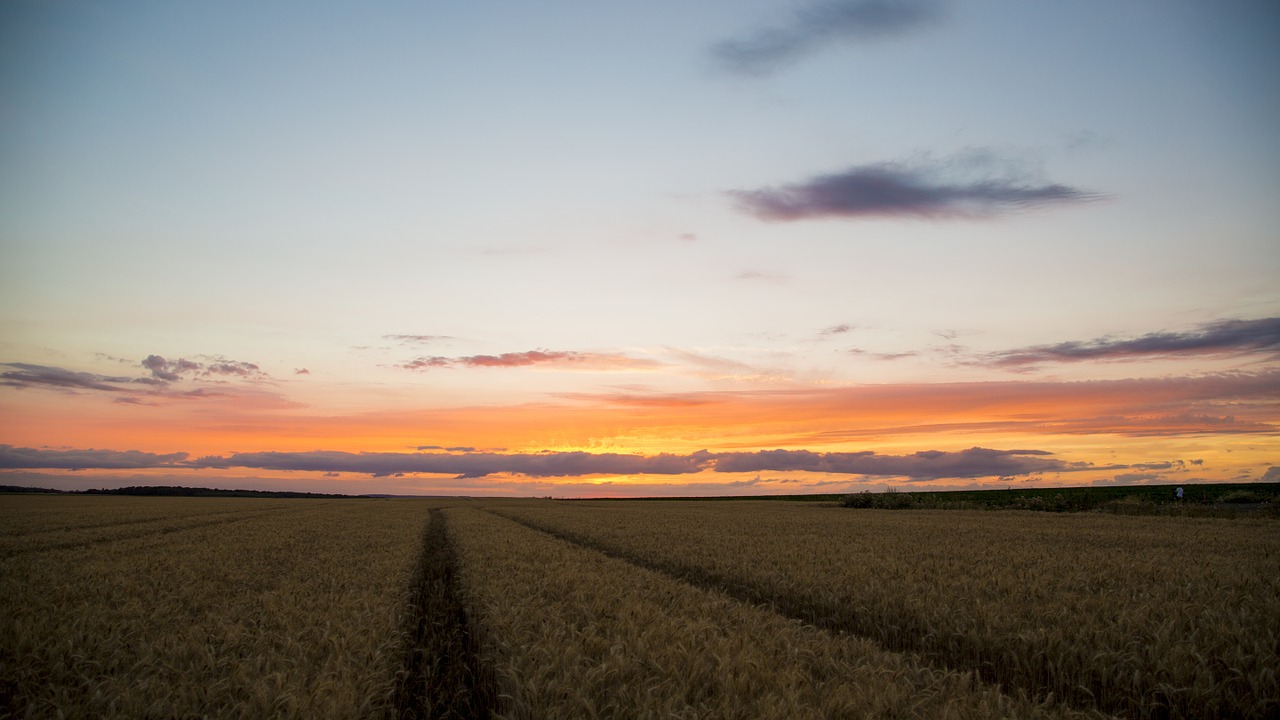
162	378
837	329
1225	338
757	276
1229	403
929	190
31	458
213	365
560	360
27	375
419	339
816	25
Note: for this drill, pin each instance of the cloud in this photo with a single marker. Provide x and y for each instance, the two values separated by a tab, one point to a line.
465	465
169	370
837	329
1271	475
30	458
927	465
1132	479
462	463
160	381
419	339
1208	404
561	360
819	24
1222	338
238	368
897	190
26	375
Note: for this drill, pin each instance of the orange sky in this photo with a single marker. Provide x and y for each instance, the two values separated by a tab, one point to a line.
643	248
1214	427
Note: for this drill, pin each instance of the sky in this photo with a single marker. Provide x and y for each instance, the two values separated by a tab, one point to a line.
634	249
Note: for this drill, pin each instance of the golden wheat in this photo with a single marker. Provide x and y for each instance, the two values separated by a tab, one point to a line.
572	633
171	607
1147	617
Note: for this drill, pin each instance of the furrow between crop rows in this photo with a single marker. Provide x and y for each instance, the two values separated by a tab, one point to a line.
442	675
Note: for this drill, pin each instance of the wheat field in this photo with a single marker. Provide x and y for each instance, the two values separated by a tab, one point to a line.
342	608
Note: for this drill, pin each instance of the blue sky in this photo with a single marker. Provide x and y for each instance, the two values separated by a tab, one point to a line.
659	197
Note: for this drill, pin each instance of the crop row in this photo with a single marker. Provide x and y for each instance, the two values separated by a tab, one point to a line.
1146	617
86	521
572	633
293	612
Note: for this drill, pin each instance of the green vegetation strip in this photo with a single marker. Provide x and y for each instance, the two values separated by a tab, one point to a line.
442	676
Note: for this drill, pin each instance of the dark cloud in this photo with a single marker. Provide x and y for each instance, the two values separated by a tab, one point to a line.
26	375
460	462
818	24
837	329
464	465
1222	338
233	367
927	465
158	382
892	190
169	370
560	359
31	458
1135	478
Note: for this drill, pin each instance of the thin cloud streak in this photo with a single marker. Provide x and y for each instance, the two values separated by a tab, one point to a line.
892	190
1222	338
563	360
28	375
419	339
820	24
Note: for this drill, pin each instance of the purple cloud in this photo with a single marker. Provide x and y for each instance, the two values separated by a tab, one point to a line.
560	359
31	458
27	375
460	462
1223	338
169	370
464	465
890	190
927	465
819	24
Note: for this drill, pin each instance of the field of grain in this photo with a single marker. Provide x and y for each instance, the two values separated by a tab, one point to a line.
176	607
1139	616
236	607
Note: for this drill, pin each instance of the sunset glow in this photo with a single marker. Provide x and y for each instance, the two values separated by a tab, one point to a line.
585	250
